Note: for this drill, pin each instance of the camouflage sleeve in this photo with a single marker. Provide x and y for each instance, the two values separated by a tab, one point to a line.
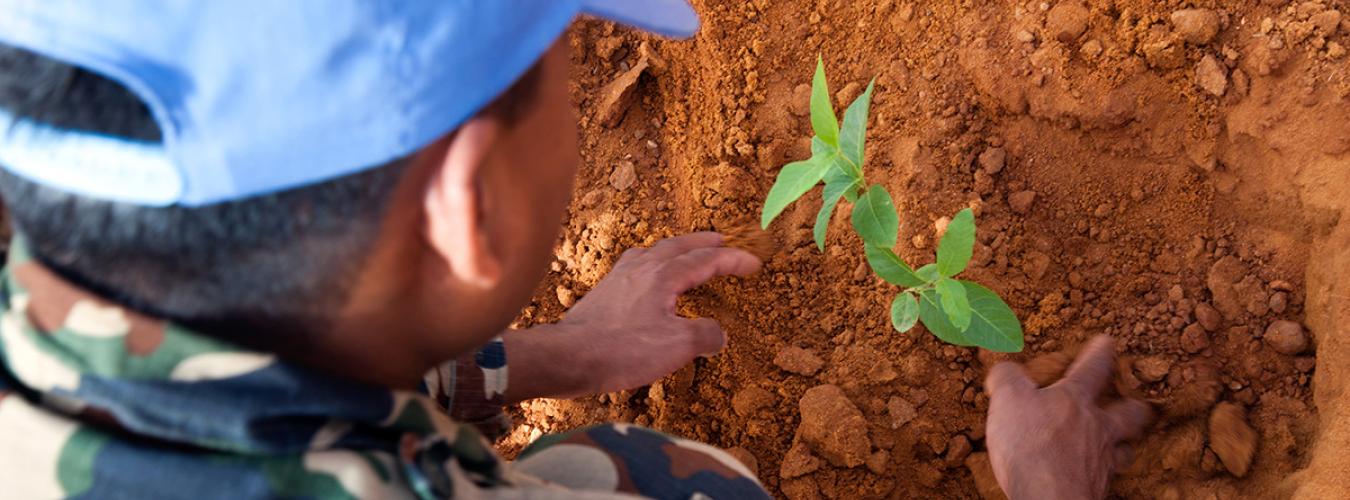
471	388
623	458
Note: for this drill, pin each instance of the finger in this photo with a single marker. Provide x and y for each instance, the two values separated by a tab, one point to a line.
670	248
1008	379
1091	370
1126	419
697	266
707	337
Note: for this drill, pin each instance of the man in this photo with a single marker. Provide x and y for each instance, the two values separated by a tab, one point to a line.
250	234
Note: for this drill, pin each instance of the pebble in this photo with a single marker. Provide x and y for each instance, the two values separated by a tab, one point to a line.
800	104
799	361
834	426
1279	302
1196	26
566	296
901	411
1327	21
958	448
1208	316
992	160
1067	21
1194	338
1211	76
1231	438
1152	369
624	176
798	462
1021	201
1286	337
749	401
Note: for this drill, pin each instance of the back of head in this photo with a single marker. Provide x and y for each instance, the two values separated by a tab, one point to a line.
288	257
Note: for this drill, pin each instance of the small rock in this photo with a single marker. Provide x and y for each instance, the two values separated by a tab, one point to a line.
1067	21
1152	369
1021	201
1279	302
845	95
1092	48
1194	338
1035	265
901	411
749	401
992	160
1208	317
619	95
878	461
800	104
834	427
958	448
1327	21
1210	76
1196	26
798	462
1024	36
1175	294
982	471
624	176
566	296
1286	337
799	361
1221	280
1231	438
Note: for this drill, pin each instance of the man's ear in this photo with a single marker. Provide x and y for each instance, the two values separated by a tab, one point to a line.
453	204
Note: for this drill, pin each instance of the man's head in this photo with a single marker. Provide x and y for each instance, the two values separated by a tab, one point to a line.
344	182
456	233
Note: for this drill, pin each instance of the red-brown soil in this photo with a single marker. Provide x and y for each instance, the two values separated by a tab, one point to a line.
1181	222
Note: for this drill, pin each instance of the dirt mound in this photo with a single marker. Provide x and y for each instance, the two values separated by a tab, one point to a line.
1174	178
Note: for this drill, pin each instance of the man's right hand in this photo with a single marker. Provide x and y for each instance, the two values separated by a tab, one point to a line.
1055	442
626	332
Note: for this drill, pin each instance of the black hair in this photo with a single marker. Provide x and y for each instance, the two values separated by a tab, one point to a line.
289	257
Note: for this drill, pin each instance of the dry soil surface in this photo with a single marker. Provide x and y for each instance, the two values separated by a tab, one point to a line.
1172	173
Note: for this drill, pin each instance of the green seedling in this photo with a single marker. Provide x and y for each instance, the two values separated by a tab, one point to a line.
957	311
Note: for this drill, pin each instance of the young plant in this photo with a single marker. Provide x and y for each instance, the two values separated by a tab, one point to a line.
957	311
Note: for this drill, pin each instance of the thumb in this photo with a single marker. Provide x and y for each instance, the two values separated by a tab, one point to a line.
706	337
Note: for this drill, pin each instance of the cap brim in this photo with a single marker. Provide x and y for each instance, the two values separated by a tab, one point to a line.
672	18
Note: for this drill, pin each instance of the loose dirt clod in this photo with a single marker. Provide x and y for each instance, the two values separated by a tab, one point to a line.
1021	201
1208	317
750	400
901	411
1152	369
1286	337
992	160
798	462
1196	26
1067	21
799	361
1210	76
758	242
1231	438
834	427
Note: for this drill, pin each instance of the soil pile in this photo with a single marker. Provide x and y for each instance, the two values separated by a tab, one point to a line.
1168	173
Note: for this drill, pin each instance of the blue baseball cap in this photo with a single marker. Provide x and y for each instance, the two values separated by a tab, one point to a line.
258	96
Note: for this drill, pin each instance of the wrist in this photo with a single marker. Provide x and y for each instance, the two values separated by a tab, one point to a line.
547	362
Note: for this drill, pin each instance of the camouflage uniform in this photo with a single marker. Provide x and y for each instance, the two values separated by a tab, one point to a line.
99	401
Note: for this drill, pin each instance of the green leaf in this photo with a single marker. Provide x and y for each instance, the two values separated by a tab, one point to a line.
957	245
853	137
993	325
823	120
794	180
874	218
904	312
891	268
835	188
954	303
930	313
928	273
